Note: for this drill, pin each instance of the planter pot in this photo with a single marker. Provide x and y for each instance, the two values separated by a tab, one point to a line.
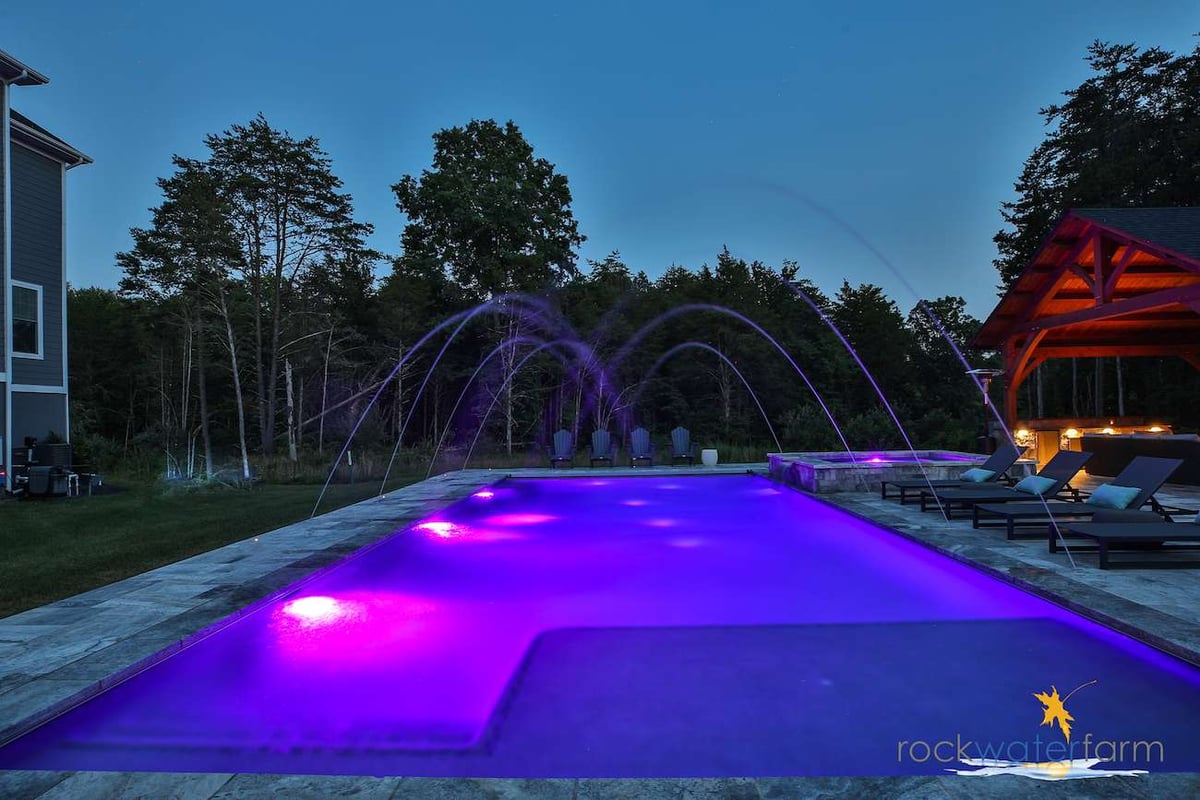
708	458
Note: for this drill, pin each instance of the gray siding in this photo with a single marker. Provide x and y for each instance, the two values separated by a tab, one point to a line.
3	283
37	415
37	258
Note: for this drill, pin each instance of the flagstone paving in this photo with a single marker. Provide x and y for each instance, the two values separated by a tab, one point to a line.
52	656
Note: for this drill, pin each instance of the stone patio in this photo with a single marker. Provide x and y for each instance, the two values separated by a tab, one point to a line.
53	656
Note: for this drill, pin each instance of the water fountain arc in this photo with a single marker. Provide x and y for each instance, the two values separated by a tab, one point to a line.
462	316
507	379
570	344
701	345
869	246
687	308
541	306
820	312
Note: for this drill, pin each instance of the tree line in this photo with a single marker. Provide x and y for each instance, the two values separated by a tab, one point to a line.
250	325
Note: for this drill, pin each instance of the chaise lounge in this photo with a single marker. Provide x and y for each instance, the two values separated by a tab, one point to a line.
1133	487
1149	533
998	463
1050	481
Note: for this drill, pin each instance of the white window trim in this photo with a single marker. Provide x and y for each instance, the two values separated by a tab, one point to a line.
40	355
36	388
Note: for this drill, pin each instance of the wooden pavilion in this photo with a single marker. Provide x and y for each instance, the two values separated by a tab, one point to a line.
1105	282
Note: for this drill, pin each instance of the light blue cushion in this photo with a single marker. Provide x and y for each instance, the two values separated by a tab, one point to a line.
1109	495
977	475
1035	484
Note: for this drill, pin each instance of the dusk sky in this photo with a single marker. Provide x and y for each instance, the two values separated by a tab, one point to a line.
681	126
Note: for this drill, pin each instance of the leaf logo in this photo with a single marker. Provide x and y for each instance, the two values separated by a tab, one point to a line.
1054	708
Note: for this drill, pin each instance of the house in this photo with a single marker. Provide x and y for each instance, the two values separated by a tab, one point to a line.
33	316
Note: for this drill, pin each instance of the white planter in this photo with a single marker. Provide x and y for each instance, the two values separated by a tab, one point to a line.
708	458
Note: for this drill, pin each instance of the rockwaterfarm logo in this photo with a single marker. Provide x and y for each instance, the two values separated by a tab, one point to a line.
1042	759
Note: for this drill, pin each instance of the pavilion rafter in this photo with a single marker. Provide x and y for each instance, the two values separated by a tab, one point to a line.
1105	282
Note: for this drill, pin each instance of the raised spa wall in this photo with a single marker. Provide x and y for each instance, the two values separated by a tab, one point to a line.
812	472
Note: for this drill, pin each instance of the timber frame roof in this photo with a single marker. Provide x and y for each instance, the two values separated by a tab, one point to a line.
1107	282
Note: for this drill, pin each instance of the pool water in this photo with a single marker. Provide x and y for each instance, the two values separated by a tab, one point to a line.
630	627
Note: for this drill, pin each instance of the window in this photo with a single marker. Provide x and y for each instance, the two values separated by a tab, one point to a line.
27	320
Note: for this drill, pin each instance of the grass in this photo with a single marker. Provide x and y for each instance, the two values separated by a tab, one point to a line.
55	549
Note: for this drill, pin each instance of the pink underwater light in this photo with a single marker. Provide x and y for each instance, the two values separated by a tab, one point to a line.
444	530
508	520
315	610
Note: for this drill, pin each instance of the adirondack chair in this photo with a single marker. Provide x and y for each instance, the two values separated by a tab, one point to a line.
562	451
602	449
641	449
682	448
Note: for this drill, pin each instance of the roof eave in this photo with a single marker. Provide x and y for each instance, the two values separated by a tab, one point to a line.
15	72
51	145
975	343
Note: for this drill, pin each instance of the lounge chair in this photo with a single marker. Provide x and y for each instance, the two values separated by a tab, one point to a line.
641	449
1058	471
682	448
562	451
602	449
1143	532
998	463
1145	474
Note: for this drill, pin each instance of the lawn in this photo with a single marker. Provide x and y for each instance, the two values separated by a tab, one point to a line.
58	548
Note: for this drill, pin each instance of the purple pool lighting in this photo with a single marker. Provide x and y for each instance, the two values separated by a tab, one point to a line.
569	629
898	457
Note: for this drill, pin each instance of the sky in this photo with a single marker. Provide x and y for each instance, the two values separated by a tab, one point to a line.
812	131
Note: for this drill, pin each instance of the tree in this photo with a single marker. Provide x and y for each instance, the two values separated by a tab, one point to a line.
291	220
949	410
1129	135
188	248
497	217
875	328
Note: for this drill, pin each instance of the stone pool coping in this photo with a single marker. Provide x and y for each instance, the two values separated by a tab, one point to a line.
51	657
828	472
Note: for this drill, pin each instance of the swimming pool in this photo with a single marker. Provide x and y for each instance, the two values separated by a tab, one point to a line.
629	627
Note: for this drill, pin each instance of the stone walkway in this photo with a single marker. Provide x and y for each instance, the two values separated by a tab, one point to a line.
53	656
